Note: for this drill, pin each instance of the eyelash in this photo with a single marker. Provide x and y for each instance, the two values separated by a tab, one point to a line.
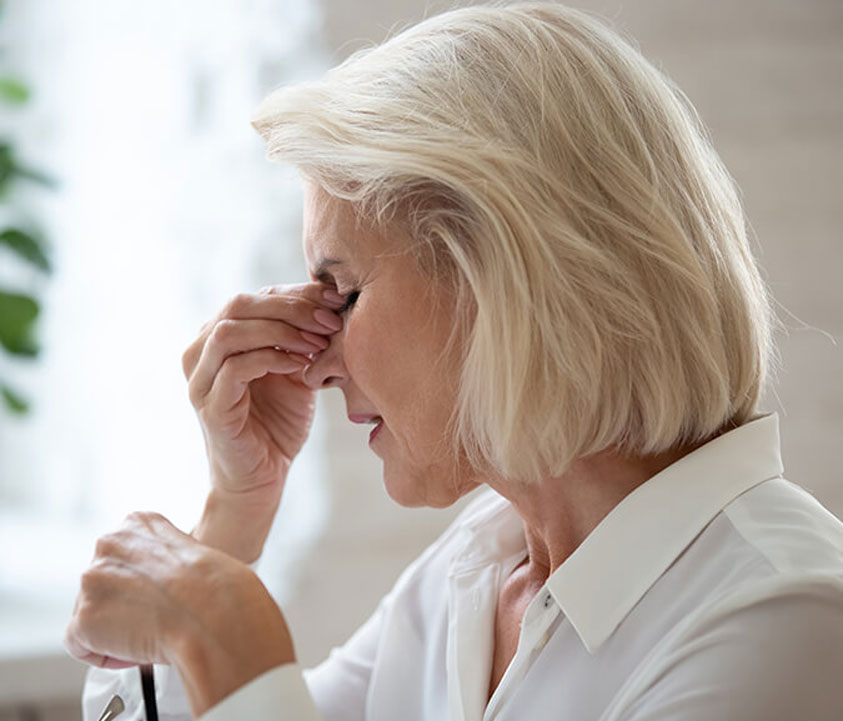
350	300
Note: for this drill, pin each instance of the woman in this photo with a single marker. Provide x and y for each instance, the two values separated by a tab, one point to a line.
530	272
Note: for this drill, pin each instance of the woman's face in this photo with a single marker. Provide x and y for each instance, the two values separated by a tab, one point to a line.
389	358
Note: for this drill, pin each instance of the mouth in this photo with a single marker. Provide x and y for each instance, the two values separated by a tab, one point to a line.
377	420
375	430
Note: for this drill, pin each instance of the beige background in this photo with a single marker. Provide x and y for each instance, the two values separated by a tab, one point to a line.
765	77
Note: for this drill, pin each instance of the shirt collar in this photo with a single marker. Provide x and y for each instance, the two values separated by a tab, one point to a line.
598	584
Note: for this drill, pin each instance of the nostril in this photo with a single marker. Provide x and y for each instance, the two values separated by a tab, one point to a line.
330	381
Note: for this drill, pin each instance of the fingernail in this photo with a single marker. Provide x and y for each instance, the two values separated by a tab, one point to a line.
330	320
332	296
320	341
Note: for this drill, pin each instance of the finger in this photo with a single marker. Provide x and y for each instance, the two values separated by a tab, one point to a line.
142	537
77	645
232	382
316	292
230	338
298	376
76	648
296	305
299	312
102	588
81	652
293	304
153	526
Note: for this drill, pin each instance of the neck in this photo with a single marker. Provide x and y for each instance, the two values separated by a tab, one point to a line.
560	512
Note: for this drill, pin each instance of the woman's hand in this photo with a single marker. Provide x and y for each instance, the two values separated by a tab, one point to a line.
245	380
144	599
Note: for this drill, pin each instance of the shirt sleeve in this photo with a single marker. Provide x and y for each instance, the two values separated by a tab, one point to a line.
777	658
280	694
277	695
336	690
102	684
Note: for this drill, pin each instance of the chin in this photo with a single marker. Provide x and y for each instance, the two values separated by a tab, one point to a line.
429	489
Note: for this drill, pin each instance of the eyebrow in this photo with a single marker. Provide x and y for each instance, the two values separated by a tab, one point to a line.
321	272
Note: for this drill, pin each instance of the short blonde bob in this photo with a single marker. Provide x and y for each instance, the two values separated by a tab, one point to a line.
570	191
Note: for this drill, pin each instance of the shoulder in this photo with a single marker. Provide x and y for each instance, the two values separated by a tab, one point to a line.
772	651
789	528
773	552
748	621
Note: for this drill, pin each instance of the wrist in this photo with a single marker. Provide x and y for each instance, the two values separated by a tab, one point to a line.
237	523
216	657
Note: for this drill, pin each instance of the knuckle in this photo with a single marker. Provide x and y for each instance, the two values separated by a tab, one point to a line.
86	614
91	581
223	331
140	518
105	546
150	517
197	391
89	577
278	289
226	375
237	304
87	580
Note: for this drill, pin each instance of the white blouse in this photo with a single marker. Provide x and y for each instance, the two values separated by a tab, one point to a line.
713	591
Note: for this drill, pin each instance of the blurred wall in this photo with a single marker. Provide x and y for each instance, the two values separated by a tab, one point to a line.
764	76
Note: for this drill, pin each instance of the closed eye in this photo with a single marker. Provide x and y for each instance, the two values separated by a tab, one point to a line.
350	300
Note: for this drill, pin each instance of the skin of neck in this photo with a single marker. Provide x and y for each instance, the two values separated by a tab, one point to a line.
560	512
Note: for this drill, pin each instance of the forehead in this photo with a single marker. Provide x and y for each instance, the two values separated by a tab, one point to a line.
333	230
322	217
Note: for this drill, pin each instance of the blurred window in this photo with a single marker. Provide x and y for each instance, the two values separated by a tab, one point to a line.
165	207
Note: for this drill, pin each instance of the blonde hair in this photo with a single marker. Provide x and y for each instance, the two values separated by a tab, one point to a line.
571	192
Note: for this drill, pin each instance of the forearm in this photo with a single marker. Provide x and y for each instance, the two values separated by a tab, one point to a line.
237	524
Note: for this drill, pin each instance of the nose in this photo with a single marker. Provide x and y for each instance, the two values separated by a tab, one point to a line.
328	368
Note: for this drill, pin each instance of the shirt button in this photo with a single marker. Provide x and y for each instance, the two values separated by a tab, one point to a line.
548	599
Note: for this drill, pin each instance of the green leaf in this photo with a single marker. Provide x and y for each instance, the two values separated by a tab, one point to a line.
13	91
27	246
14	402
17	322
7	166
10	170
36	176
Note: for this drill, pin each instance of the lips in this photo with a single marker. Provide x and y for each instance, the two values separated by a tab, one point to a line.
367	418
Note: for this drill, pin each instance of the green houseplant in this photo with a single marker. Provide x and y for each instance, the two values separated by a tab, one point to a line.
19	306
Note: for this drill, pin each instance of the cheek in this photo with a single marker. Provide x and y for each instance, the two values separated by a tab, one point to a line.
381	358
